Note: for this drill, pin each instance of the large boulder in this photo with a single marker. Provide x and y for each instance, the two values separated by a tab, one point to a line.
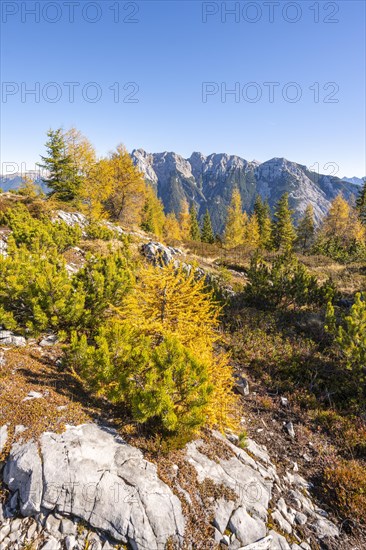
91	473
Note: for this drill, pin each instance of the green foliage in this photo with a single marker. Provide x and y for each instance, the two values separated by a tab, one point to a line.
39	234
161	381
207	235
104	282
361	203
286	282
195	233
306	229
350	335
63	179
263	213
283	231
95	230
334	247
36	291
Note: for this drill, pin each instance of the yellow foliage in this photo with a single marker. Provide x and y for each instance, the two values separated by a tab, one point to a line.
171	227
81	151
169	302
185	221
95	189
153	217
235	222
128	189
252	232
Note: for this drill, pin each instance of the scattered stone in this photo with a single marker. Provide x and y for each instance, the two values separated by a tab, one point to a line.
7	338
263	544
325	528
49	340
290	429
70	542
51	544
223	510
246	528
301	518
3	437
52	525
278	542
284	401
19	429
33	395
283	524
242	385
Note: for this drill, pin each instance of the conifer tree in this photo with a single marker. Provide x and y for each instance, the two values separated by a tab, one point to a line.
207	235
62	180
306	229
95	189
252	232
153	217
283	231
263	213
127	198
234	229
172	228
336	223
361	203
185	221
195	233
81	152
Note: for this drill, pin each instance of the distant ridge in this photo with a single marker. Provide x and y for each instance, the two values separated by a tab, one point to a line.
208	182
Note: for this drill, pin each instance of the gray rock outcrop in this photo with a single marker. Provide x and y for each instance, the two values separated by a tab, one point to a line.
90	473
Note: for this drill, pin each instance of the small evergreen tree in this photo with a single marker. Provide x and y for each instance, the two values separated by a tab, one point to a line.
235	222
263	214
361	203
207	235
351	336
195	233
283	231
62	179
306	229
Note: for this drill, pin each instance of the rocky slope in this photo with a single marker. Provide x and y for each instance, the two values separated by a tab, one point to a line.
82	485
209	181
89	484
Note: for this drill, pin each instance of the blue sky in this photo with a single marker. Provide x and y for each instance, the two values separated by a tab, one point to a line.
170	50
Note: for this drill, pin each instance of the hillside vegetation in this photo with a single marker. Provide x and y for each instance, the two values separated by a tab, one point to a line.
162	345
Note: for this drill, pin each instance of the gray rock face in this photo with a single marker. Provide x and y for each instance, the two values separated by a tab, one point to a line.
90	473
8	338
158	253
208	182
23	473
72	218
3	437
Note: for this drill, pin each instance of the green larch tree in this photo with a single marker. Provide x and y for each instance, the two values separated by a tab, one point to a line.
283	231
207	235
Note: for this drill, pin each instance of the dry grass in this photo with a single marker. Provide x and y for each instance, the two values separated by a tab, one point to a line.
25	371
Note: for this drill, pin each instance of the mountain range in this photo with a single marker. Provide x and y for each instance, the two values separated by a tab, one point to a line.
208	182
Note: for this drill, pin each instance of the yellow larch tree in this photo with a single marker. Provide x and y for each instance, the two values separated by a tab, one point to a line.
168	303
235	222
185	221
127	198
172	228
252	234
